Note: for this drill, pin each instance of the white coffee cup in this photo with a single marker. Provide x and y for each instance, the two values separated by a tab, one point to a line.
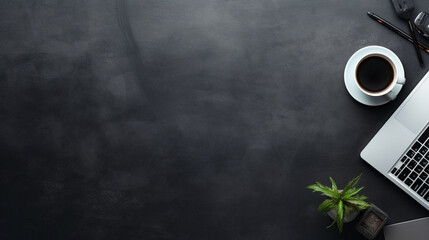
394	62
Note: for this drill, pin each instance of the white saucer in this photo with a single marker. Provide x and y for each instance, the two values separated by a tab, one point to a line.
349	76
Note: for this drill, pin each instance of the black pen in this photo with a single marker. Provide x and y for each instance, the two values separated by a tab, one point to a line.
398	31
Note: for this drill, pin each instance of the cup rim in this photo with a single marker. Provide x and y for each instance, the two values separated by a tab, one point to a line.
392	83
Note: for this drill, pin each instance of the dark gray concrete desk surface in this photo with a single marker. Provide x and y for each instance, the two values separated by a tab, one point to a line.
187	119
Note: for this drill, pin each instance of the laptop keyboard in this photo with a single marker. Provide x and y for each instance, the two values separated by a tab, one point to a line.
414	170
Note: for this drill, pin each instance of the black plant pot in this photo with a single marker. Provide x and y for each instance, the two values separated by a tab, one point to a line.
371	222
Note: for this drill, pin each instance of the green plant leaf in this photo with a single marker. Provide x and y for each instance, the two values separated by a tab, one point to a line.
361	197
352	192
359	204
340	226
346	210
332	224
334	186
318	187
340	216
352	183
335	192
326	206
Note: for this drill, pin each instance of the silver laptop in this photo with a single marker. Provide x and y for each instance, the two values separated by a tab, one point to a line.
400	149
413	230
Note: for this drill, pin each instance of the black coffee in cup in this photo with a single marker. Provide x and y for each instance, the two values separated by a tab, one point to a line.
374	74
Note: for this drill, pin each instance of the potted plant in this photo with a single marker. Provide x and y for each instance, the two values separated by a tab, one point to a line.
342	205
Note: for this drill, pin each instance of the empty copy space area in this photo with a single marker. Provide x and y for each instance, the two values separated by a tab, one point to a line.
157	119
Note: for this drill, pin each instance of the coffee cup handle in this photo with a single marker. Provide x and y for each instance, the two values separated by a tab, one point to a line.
401	80
391	95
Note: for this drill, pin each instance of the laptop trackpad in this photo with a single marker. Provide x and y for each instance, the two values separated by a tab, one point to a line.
415	113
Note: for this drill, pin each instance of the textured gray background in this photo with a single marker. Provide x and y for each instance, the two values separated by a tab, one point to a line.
187	119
